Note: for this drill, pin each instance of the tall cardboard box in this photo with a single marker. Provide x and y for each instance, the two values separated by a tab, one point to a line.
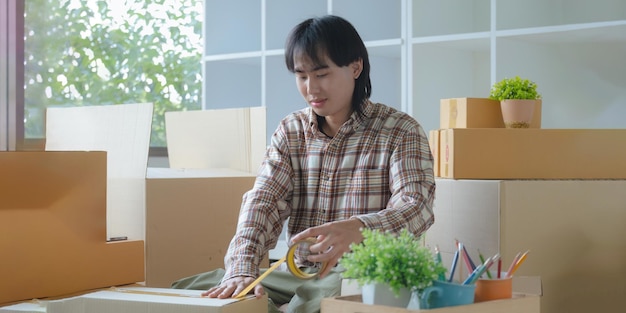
477	113
53	236
574	230
191	216
489	153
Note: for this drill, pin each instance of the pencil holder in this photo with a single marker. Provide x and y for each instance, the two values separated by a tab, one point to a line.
493	289
443	294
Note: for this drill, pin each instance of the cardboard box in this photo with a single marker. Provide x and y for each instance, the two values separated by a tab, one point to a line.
53	227
141	299
527	293
191	216
573	229
433	141
482	153
477	113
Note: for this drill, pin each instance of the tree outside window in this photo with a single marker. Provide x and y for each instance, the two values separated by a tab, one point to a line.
88	52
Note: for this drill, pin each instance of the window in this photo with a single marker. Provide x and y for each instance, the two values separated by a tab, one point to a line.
91	52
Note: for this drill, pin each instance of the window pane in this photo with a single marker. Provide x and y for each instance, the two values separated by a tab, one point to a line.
88	52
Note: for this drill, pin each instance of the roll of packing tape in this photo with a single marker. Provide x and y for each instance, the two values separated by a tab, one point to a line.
290	258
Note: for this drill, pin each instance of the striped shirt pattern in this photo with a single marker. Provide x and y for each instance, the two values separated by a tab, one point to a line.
377	168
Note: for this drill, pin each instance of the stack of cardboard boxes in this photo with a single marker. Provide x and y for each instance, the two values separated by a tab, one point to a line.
464	114
472	143
555	192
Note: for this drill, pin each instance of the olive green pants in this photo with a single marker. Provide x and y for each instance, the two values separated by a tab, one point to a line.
303	296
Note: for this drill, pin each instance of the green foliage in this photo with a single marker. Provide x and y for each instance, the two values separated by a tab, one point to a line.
95	52
397	260
514	88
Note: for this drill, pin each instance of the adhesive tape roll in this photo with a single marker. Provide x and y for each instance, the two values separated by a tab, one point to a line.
291	261
290	258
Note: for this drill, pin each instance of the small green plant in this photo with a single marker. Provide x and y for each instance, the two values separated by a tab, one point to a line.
514	88
400	261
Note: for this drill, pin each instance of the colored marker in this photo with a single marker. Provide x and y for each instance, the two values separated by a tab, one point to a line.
454	261
518	263
442	276
479	271
517	256
482	260
468	259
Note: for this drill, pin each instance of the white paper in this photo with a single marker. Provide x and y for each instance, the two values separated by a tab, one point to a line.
124	132
225	138
26	307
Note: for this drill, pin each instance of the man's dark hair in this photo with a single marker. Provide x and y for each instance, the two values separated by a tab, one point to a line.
336	37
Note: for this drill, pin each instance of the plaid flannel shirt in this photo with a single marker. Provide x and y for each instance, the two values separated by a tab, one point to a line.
377	168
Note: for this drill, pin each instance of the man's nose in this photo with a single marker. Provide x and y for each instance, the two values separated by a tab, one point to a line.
312	86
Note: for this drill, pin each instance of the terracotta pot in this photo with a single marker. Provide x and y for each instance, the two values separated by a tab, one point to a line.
517	113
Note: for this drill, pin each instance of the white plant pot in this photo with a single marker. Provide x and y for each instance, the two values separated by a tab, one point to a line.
381	294
414	303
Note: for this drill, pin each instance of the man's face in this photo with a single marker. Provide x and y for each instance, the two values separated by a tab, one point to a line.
326	87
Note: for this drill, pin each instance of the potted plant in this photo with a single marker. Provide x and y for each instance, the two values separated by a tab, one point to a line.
390	267
518	99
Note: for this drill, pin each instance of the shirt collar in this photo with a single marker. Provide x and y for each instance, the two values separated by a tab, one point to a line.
355	120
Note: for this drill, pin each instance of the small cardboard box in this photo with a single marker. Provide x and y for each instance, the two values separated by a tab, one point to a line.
477	113
191	216
433	141
483	153
142	299
527	292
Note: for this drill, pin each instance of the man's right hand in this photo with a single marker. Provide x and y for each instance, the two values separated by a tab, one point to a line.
232	287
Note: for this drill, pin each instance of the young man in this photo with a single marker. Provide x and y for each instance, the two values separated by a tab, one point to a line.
341	164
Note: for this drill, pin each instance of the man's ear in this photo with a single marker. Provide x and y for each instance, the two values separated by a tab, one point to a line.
357	68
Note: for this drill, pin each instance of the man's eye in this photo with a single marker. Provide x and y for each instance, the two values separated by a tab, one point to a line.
322	74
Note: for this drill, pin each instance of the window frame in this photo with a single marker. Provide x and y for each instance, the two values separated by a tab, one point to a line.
12	68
